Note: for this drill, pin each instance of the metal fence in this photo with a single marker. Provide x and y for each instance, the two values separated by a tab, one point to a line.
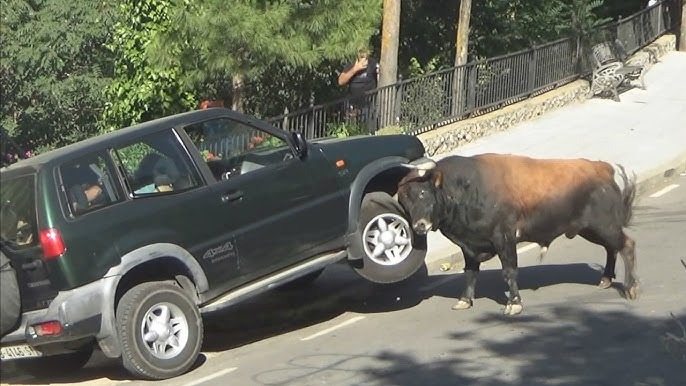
420	104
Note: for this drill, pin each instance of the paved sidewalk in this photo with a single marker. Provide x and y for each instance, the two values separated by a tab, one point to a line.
645	132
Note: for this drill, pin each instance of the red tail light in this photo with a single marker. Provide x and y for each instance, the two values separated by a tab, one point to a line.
52	243
48	328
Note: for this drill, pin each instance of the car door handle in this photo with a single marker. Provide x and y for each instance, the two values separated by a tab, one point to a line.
234	195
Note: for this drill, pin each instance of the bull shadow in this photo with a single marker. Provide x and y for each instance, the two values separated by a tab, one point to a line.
280	312
490	283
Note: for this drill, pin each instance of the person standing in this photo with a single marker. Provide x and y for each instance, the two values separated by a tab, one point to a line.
360	77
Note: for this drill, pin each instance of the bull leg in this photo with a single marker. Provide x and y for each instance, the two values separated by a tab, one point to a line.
614	240
508	259
611	259
628	253
471	272
609	272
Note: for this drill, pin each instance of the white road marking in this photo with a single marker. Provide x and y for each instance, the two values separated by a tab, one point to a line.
527	247
436	284
211	376
328	330
664	191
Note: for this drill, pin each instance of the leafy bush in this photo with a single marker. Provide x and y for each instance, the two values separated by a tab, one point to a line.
391	130
345	129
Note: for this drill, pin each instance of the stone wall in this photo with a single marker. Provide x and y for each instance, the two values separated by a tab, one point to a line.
450	137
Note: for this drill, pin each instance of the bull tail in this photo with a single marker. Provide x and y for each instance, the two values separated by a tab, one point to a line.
628	194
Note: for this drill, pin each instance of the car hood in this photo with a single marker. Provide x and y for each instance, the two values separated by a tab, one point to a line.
367	148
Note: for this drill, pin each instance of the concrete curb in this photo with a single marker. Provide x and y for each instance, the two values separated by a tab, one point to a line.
452	259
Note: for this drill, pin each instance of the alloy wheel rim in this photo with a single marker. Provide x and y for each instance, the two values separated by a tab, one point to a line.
387	239
164	330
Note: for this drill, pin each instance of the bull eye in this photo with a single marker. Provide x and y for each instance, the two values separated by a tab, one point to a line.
421	194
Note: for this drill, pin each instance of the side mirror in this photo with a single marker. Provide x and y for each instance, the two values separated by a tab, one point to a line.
300	144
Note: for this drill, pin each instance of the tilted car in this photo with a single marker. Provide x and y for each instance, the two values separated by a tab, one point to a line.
121	241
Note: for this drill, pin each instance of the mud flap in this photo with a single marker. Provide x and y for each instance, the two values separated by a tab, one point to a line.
10	301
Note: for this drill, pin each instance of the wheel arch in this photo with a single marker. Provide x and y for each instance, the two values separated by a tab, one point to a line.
142	265
381	175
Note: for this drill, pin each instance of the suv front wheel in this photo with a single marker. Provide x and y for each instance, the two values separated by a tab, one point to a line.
160	329
391	251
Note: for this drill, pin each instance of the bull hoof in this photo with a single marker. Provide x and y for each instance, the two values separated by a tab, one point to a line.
513	309
632	292
605	282
462	305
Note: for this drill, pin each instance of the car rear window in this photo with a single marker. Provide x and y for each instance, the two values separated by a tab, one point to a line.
89	184
18	212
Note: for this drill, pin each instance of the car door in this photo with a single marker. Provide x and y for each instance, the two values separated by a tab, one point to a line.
170	202
286	207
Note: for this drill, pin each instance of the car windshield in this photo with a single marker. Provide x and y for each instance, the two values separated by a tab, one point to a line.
18	212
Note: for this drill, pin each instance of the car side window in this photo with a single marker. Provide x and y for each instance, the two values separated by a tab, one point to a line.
88	184
231	148
156	164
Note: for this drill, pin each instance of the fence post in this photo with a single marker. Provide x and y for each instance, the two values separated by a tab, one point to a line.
471	88
397	106
385	106
531	83
285	119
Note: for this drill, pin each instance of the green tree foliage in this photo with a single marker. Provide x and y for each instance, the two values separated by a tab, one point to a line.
497	27
582	20
427	33
141	92
53	68
242	40
283	86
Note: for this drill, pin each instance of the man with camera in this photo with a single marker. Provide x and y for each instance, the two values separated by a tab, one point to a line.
360	77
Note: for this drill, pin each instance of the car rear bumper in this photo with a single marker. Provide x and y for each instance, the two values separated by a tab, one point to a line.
79	311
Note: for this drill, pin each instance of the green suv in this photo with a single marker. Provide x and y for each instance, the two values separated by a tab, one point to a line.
120	242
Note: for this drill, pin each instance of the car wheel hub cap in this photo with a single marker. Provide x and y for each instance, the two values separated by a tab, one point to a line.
387	239
164	330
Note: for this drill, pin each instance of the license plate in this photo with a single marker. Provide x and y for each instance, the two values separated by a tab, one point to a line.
19	351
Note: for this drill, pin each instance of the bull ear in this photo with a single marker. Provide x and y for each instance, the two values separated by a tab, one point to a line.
437	178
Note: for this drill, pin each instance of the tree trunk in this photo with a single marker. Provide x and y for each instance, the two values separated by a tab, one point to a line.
461	52
388	63
237	86
462	38
388	71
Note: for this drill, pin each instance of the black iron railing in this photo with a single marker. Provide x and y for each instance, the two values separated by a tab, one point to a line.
420	104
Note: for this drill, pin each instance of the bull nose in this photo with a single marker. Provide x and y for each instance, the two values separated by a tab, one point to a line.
422	227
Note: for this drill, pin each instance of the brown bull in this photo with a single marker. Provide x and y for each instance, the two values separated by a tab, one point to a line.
488	203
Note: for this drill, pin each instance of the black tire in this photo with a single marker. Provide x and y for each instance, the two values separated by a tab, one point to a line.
377	204
50	366
302	281
137	355
10	300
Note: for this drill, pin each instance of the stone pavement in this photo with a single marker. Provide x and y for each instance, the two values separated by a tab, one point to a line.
645	132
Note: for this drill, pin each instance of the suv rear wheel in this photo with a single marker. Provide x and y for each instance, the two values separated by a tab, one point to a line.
391	251
160	329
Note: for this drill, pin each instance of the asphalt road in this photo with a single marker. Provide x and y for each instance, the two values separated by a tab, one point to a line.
345	331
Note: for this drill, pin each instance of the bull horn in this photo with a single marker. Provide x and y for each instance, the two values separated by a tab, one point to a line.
421	165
